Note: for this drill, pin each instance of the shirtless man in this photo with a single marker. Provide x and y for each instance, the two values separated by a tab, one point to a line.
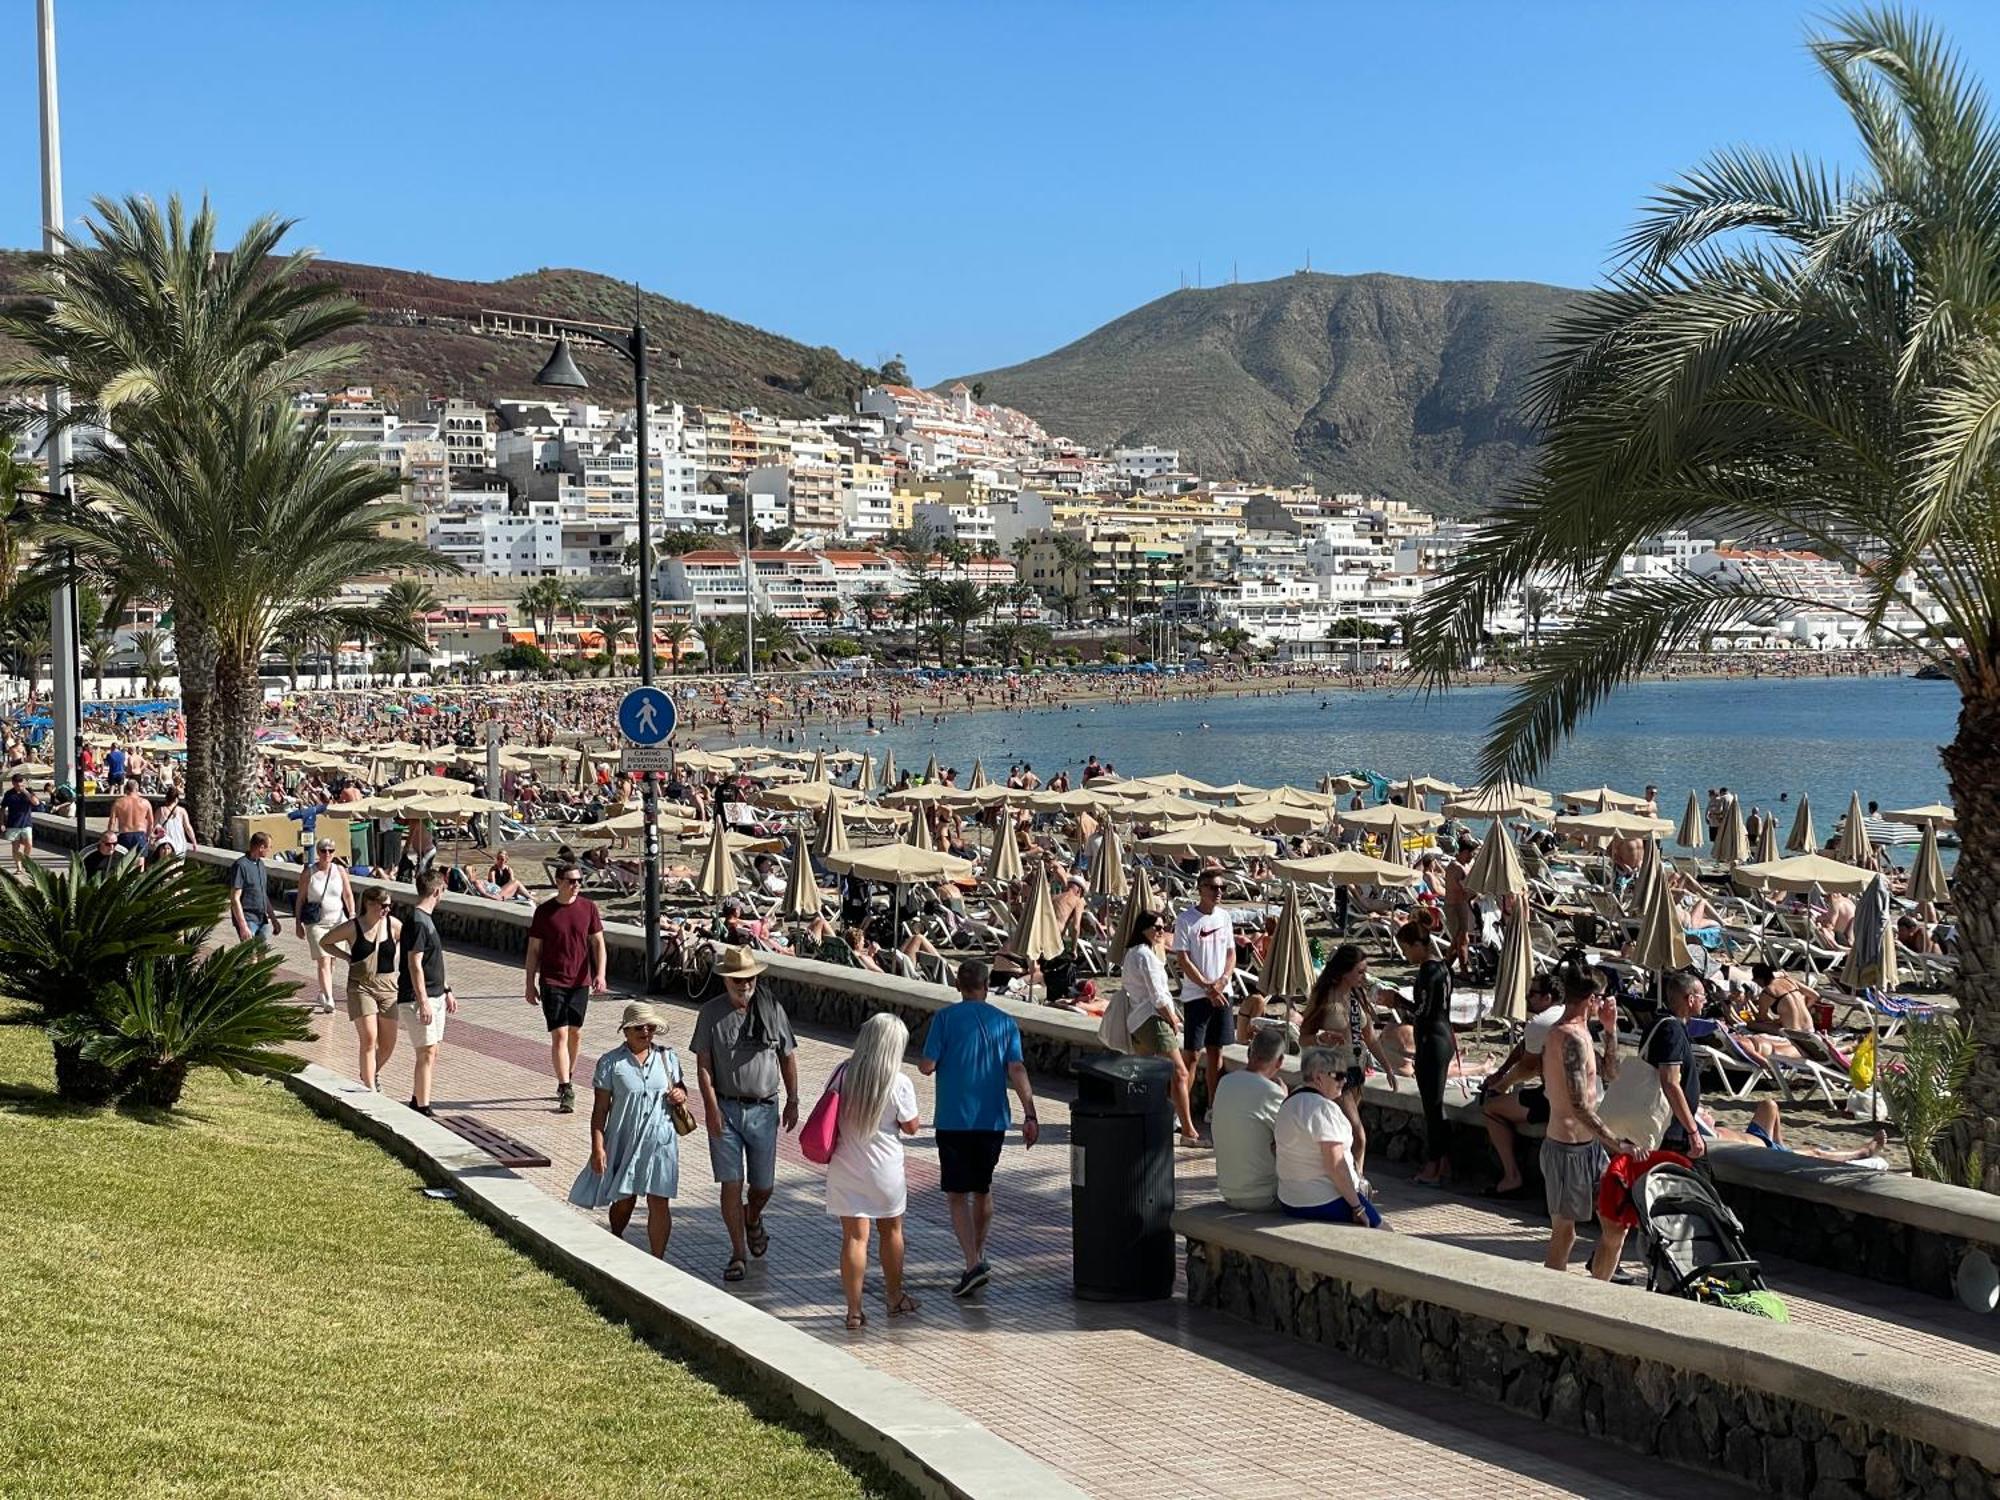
132	819
1458	914
1576	1148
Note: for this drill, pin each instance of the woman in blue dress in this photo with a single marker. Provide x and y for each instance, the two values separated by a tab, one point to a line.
634	1149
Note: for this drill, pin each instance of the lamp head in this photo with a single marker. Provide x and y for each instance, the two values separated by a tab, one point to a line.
561	372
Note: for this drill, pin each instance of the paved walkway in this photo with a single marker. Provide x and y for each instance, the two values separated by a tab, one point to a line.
1132	1402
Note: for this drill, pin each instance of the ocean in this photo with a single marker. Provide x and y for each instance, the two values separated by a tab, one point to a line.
1764	740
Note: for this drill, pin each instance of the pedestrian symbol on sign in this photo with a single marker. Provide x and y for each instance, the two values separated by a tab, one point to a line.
646	716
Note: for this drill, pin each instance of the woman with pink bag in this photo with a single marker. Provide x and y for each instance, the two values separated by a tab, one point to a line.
875	1102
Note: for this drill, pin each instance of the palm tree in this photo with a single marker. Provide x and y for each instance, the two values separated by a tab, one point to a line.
1004	641
97	656
1787	351
832	611
716	644
676	634
961	602
247	519
871	602
542	601
406	603
939	638
776	639
149	647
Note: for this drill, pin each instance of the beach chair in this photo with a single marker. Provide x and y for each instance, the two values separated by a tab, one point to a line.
1723	1056
1888	1012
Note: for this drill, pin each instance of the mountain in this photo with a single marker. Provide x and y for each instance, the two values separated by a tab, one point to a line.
1383	384
426	336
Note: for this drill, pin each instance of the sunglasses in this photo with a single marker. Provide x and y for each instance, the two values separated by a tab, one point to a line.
649	1029
569	880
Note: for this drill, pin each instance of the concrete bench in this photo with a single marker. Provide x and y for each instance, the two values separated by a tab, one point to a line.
1798	1411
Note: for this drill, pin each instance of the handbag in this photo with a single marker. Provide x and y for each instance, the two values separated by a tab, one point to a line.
821	1132
1633	1106
309	913
677	1109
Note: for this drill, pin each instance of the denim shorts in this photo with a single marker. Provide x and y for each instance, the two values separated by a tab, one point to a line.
749	1137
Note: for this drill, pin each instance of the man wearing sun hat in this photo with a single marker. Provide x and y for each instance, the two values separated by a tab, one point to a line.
745	1052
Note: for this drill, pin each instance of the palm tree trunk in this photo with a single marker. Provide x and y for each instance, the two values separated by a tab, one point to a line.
1970	1150
238	707
195	652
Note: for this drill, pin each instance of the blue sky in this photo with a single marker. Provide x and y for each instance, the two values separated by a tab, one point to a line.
964	184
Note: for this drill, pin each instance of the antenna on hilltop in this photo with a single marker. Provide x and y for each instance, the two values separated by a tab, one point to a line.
1309	260
1232	272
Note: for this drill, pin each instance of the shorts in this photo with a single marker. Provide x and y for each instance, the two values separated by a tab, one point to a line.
564	1004
419	1034
966	1159
1536	1103
747	1149
1569	1177
136	842
21	835
1336	1211
259	924
1155	1038
1208	1024
370	994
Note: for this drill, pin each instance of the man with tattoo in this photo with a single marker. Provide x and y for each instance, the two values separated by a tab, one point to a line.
1574	1152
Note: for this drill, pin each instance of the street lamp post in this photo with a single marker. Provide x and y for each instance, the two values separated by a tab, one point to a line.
561	373
65	672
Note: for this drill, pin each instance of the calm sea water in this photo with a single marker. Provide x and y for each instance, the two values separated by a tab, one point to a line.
1876	735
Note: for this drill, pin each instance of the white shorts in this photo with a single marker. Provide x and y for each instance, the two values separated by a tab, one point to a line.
421	1035
21	835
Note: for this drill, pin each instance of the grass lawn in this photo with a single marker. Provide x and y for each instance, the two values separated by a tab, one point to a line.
246	1300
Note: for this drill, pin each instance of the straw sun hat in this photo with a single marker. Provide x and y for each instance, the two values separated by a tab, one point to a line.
740	963
639	1013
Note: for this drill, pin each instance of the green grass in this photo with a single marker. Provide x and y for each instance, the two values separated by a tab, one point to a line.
247	1300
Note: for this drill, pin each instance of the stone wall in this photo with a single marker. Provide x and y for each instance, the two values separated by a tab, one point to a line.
1685	1415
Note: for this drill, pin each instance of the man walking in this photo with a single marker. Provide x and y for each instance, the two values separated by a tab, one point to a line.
1669	1049
250	891
423	994
565	964
745	1052
18	805
1205	944
1575	1149
974	1049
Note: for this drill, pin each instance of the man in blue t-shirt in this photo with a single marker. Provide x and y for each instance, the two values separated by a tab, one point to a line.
114	766
974	1048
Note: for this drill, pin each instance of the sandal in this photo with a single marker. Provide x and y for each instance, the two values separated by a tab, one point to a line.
905	1305
735	1269
759	1238
856	1321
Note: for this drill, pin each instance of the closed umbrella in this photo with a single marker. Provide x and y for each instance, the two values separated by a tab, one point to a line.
1496	871
802	900
1107	870
1288	965
718	875
1004	866
978	774
1767	841
1871	955
1393	836
1693	832
864	781
1927	882
931	770
918	835
888	770
1660	945
1803	839
1517	960
819	776
1732	839
1139	898
1038	937
832	835
1852	847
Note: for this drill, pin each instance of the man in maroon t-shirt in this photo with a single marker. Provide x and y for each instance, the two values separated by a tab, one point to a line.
565	968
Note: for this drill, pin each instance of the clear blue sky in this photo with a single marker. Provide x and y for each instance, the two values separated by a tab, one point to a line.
965	184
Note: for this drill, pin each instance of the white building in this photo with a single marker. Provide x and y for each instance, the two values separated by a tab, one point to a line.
1145	462
468	436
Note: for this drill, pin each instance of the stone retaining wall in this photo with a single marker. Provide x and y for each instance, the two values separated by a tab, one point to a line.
1797	1412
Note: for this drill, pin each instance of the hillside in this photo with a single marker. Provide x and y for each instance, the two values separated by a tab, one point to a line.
1374	383
422	340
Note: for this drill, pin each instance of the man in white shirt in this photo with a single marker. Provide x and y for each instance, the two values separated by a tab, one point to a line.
1245	1120
1205	945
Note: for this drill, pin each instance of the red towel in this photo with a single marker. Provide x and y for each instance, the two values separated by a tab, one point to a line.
1614	1189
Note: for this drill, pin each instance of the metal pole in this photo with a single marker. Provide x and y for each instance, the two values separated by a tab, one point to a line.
649	794
65	689
749	599
493	780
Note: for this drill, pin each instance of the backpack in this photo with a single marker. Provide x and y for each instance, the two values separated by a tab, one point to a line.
1633	1106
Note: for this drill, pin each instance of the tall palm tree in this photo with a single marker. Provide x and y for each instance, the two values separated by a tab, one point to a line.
97	656
870	603
961	602
245	517
149	647
716	644
939	638
1788	352
776	639
404	606
676	634
542	601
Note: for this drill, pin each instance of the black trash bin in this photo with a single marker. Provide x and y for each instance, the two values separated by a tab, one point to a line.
1121	1158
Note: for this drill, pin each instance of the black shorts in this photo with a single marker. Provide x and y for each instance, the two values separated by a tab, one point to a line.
1536	1103
1208	1025
966	1159
564	1004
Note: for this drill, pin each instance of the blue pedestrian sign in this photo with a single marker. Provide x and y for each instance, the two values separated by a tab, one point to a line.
646	716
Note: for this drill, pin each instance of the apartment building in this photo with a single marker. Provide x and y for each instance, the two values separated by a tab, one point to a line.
468	436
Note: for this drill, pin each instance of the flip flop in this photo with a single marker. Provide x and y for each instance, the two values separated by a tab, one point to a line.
759	1238
856	1321
735	1270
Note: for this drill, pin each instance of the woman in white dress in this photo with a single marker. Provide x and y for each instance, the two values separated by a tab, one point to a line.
865	1184
321	901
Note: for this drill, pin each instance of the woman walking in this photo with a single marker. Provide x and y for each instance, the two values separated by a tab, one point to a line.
321	901
1153	1018
865	1184
1430	1018
634	1146
368	944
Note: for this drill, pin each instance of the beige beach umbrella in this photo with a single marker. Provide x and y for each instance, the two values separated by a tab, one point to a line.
1927	882
978	778
831	837
425	786
670	824
802	898
1200	840
701	760
819	776
922	791
888	769
1804	838
918	834
1394	836
1767	842
1003	865
865	781
1083	798
1613	825
1158	806
1932	813
1501	799
1424	786
1660	944
1604	799
1693	832
1176	782
1853	846
1139	898
1804	871
451	807
765	775
901	864
1037	937
1288	965
1517	962
931	769
561	753
810	795
1107	870
842	757
1732	839
1496	870
718	875
1299	797
1344	867
1376	819
1271	813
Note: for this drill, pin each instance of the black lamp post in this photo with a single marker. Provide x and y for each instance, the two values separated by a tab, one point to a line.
561	373
20	512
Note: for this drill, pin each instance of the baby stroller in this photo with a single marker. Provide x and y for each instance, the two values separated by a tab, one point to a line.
1694	1244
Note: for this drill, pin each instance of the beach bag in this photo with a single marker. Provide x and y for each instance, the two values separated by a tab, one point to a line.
1634	1107
1114	1028
821	1132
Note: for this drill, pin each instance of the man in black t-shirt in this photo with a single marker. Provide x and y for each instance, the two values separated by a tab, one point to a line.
423	994
17	805
1670	1050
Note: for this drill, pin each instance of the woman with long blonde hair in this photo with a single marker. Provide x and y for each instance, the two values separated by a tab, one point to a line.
865	1184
